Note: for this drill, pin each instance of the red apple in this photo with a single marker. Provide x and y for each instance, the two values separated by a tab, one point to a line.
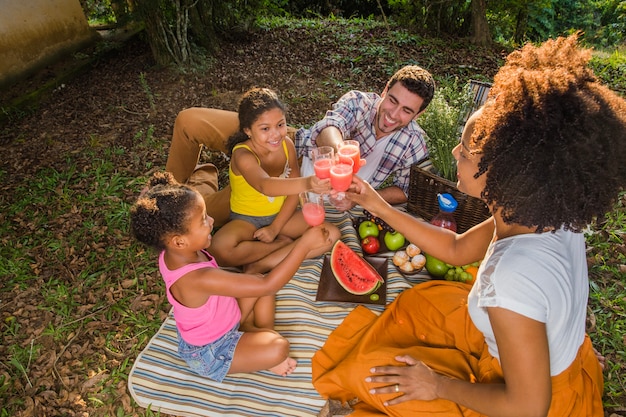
370	245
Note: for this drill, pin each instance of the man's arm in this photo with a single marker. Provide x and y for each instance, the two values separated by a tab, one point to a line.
393	195
329	136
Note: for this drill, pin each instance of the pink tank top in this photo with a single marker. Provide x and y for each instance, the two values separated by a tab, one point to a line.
201	325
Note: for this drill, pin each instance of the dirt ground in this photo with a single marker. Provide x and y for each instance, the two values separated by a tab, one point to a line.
123	93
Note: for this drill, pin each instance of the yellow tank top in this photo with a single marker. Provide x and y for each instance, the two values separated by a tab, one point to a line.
244	199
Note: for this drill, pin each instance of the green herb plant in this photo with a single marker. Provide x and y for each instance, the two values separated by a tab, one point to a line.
441	122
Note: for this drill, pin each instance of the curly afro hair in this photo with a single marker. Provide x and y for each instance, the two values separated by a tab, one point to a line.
552	139
162	210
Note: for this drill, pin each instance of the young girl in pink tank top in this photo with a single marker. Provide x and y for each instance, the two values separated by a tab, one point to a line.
224	319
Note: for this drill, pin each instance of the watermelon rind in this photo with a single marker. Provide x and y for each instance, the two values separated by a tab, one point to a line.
352	272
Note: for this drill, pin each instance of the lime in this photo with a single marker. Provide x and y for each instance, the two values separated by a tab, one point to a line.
435	267
374	297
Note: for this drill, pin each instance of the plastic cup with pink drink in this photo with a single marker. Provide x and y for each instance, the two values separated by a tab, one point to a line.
312	208
341	175
323	158
349	150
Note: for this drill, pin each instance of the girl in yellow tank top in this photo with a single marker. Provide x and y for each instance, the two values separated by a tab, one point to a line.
265	182
246	200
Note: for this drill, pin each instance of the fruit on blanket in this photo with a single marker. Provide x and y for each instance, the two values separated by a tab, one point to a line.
353	272
435	267
473	271
380	223
368	228
394	240
370	245
466	273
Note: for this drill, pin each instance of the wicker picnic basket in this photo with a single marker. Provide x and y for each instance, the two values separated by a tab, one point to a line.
422	200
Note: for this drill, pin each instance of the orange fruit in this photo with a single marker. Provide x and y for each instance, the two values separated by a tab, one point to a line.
473	271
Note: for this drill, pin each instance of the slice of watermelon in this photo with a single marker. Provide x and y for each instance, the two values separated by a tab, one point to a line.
353	272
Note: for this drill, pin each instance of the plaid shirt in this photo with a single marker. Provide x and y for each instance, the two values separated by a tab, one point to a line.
354	115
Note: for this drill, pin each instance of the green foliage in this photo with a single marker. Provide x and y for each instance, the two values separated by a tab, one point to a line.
602	21
611	69
147	91
511	22
441	121
438	17
607	299
98	11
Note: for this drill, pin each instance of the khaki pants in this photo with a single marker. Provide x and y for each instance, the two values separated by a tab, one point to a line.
193	128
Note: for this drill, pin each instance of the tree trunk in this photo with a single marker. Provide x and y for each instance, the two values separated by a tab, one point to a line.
520	25
202	26
121	11
480	28
167	25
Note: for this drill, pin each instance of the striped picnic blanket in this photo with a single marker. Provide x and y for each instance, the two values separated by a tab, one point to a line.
161	381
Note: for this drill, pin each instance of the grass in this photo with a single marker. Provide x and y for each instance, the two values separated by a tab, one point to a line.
87	291
57	216
607	300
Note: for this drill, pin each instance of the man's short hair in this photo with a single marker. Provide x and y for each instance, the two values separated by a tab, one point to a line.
417	80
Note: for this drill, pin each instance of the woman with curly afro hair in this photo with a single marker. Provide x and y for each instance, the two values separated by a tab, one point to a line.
547	155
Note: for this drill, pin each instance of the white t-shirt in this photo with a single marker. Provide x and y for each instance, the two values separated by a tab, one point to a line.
543	277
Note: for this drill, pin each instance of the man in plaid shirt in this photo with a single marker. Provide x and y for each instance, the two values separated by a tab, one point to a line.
384	125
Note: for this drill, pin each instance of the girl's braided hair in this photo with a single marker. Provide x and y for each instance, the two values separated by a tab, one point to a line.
161	210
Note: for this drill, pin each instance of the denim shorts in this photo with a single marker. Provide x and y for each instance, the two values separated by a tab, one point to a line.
212	360
257	221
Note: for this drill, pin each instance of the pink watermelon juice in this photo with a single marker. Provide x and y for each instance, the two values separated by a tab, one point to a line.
347	152
322	168
313	214
341	176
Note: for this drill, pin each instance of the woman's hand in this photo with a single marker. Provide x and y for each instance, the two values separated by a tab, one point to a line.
362	193
416	381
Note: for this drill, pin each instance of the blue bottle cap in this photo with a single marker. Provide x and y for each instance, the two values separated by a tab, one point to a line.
447	203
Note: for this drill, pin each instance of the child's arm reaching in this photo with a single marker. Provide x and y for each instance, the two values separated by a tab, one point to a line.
269	232
197	286
245	163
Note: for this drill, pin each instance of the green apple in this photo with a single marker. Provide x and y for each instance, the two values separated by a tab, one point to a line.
368	228
394	241
435	267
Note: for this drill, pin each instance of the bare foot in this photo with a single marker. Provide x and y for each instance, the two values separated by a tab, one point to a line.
285	367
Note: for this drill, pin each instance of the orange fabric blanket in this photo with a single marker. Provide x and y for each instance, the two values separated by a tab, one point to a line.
431	322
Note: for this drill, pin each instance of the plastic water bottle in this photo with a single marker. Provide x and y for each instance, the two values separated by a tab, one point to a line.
445	217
